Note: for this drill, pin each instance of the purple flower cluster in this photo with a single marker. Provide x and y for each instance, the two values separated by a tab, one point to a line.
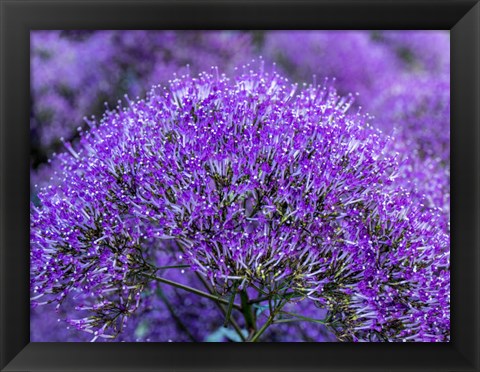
422	50
165	314
353	58
168	314
75	73
260	188
64	78
360	61
417	110
403	80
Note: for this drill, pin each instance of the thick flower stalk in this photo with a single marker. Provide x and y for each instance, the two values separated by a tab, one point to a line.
270	194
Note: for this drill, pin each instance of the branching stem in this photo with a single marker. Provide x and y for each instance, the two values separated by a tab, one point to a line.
192	290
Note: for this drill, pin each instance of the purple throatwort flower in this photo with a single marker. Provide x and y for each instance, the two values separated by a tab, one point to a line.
67	82
74	73
353	58
256	186
417	109
425	50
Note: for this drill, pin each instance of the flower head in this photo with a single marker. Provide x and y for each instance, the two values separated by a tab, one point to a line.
257	186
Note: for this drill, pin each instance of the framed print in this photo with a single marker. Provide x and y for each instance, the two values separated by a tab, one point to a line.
179	178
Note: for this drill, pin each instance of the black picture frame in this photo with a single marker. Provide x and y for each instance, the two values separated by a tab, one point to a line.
18	17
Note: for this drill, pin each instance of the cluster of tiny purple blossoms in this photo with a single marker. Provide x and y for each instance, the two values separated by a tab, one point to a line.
402	78
74	73
257	186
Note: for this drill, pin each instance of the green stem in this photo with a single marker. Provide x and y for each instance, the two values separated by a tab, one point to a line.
247	311
192	290
174	315
278	321
270	320
211	291
261	330
301	318
230	304
234	324
260	290
265	298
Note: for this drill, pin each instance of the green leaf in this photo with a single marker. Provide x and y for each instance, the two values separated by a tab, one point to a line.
216	336
260	308
247	310
221	333
233	336
142	329
230	305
